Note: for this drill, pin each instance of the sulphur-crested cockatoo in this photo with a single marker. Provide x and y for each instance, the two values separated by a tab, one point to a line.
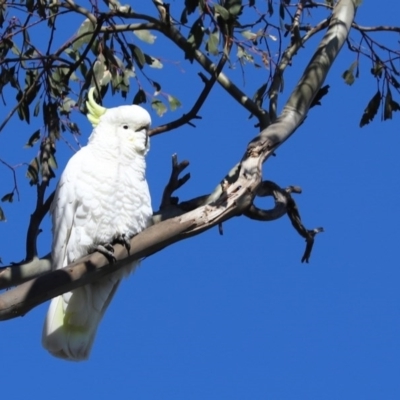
102	195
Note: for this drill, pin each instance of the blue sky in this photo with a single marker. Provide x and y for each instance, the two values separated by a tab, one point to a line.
238	316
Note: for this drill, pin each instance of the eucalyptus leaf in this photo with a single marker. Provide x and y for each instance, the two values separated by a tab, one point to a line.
145	35
159	107
83	35
9	197
33	139
174	103
2	215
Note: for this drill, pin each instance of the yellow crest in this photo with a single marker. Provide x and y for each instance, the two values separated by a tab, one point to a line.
95	111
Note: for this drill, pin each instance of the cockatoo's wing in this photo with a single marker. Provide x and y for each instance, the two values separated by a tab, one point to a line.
73	317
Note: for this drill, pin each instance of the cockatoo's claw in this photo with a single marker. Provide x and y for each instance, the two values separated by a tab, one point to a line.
107	250
123	239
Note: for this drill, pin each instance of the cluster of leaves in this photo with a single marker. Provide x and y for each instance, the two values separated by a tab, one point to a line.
56	80
384	73
50	80
217	22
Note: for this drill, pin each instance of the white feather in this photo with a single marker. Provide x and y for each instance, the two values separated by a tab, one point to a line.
102	193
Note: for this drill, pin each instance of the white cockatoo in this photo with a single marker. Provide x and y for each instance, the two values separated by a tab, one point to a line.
102	195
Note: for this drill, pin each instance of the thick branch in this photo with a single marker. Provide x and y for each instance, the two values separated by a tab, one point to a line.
23	298
18	273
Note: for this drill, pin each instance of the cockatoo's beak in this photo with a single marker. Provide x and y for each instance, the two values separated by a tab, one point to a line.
95	111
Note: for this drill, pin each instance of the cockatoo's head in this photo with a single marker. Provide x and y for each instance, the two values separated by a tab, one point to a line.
121	128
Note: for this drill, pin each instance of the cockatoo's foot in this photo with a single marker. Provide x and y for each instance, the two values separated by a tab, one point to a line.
123	239
107	250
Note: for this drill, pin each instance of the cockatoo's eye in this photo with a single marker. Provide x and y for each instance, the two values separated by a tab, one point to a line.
125	126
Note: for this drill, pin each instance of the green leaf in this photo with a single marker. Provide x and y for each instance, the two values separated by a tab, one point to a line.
83	34
33	139
348	75
153	62
137	55
15	50
33	172
191	6
2	216
67	105
156	86
8	197
222	11
282	11
72	53
140	97
259	94
243	55
395	106
234	7
387	109
249	35
3	9
52	161
377	69
371	110
36	110
51	119
30	5
390	105
159	107
174	103
23	109
5	78
270	8
394	82
195	38
145	36
320	94
184	16
99	69
212	43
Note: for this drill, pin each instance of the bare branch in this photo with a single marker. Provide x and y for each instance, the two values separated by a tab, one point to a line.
36	219
380	28
174	182
15	189
268	188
